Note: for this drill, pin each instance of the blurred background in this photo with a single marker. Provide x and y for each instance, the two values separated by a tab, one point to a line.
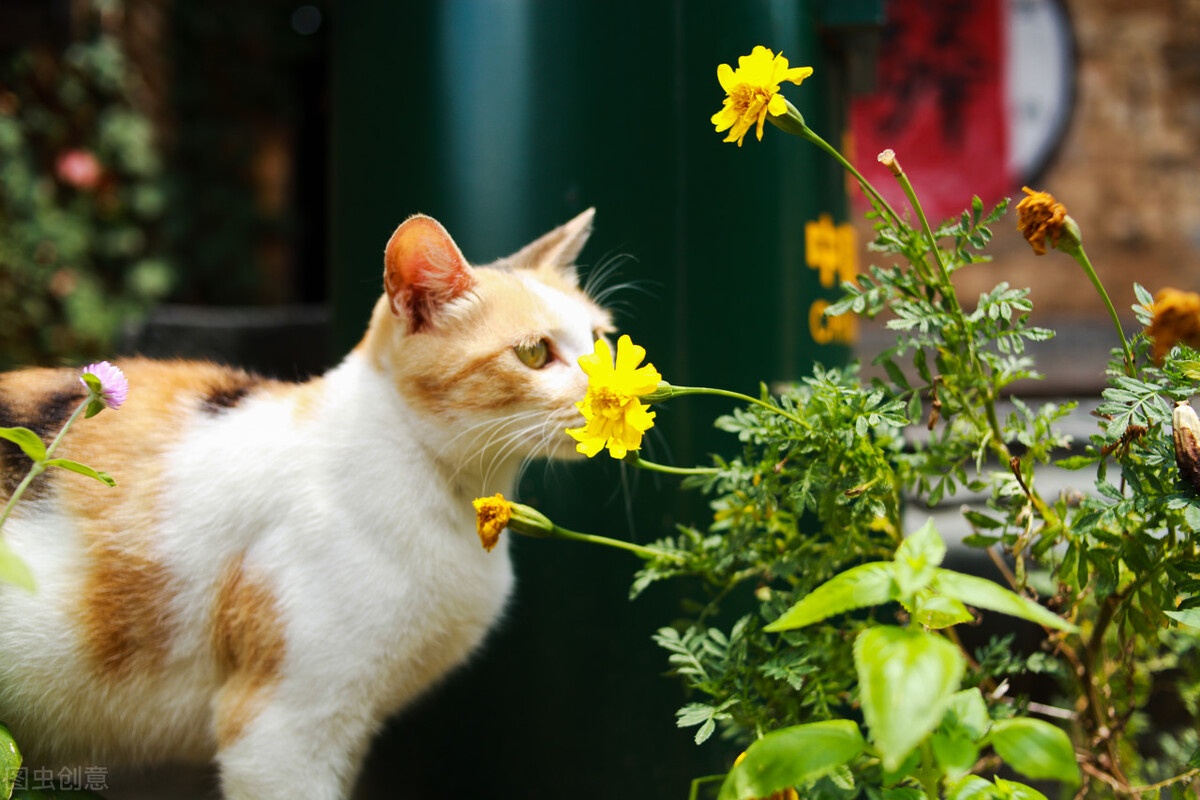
217	178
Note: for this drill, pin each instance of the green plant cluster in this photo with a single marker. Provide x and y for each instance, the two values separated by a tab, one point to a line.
824	641
78	246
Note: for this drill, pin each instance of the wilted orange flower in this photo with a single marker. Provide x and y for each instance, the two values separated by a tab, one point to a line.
1176	319
1040	216
491	516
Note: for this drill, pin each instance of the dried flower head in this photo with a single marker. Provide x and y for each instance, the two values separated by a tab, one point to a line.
491	517
752	92
1186	434
1176	319
1041	217
106	385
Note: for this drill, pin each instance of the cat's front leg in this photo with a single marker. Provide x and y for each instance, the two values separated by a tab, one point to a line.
287	750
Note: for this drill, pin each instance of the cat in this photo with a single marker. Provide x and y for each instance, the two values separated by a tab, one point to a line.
281	567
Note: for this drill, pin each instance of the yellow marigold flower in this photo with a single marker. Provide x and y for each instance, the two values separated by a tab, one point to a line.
752	92
1176	319
1040	216
491	516
616	418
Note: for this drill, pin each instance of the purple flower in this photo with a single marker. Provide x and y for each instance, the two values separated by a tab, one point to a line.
110	387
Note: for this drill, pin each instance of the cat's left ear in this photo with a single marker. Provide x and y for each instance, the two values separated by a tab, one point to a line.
423	270
558	249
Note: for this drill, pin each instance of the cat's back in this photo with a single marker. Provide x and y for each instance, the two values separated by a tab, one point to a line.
130	579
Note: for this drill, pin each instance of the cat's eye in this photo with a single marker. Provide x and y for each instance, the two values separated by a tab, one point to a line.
533	354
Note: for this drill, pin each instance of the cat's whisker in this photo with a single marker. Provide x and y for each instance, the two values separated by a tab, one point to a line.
509	444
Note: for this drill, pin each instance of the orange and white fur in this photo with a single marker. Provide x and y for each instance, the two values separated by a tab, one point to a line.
283	566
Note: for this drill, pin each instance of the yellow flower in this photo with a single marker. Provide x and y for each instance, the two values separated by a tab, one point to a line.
491	516
616	418
752	92
1176	319
1040	216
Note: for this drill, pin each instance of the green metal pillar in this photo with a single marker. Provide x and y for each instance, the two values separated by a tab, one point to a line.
502	119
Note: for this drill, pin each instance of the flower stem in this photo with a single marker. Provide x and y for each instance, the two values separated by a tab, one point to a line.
650	465
558	532
682	390
39	467
810	134
947	288
1081	257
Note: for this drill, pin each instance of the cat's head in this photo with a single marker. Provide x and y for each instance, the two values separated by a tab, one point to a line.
487	354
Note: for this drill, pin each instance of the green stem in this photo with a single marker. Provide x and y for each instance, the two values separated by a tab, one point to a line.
39	466
695	791
653	467
645	552
1081	257
809	134
682	390
947	288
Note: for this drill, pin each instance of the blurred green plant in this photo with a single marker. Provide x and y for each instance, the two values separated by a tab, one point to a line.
824	641
80	196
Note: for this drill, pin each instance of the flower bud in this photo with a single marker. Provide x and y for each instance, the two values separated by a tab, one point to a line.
1187	444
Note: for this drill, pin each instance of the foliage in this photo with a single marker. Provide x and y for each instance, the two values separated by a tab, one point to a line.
80	194
794	650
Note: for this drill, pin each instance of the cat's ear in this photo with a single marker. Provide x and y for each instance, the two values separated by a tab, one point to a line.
423	270
558	249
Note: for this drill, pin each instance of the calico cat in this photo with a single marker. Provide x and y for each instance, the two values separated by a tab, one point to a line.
283	566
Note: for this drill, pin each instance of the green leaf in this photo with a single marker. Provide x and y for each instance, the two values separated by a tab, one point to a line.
865	585
82	469
1035	748
907	679
917	558
971	787
1011	790
29	442
938	611
10	761
955	752
983	593
13	568
968	710
792	757
1189	617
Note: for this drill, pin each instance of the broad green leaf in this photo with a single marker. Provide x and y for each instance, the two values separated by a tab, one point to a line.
968	710
917	558
13	568
1011	790
792	757
1035	748
82	469
955	751
904	793
983	593
971	787
938	611
907	679
30	443
1189	617
865	585
10	761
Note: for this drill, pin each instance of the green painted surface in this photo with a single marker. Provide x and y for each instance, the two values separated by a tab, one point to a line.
502	120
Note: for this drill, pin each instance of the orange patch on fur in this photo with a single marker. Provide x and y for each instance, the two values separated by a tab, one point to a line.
126	597
126	626
248	641
305	398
